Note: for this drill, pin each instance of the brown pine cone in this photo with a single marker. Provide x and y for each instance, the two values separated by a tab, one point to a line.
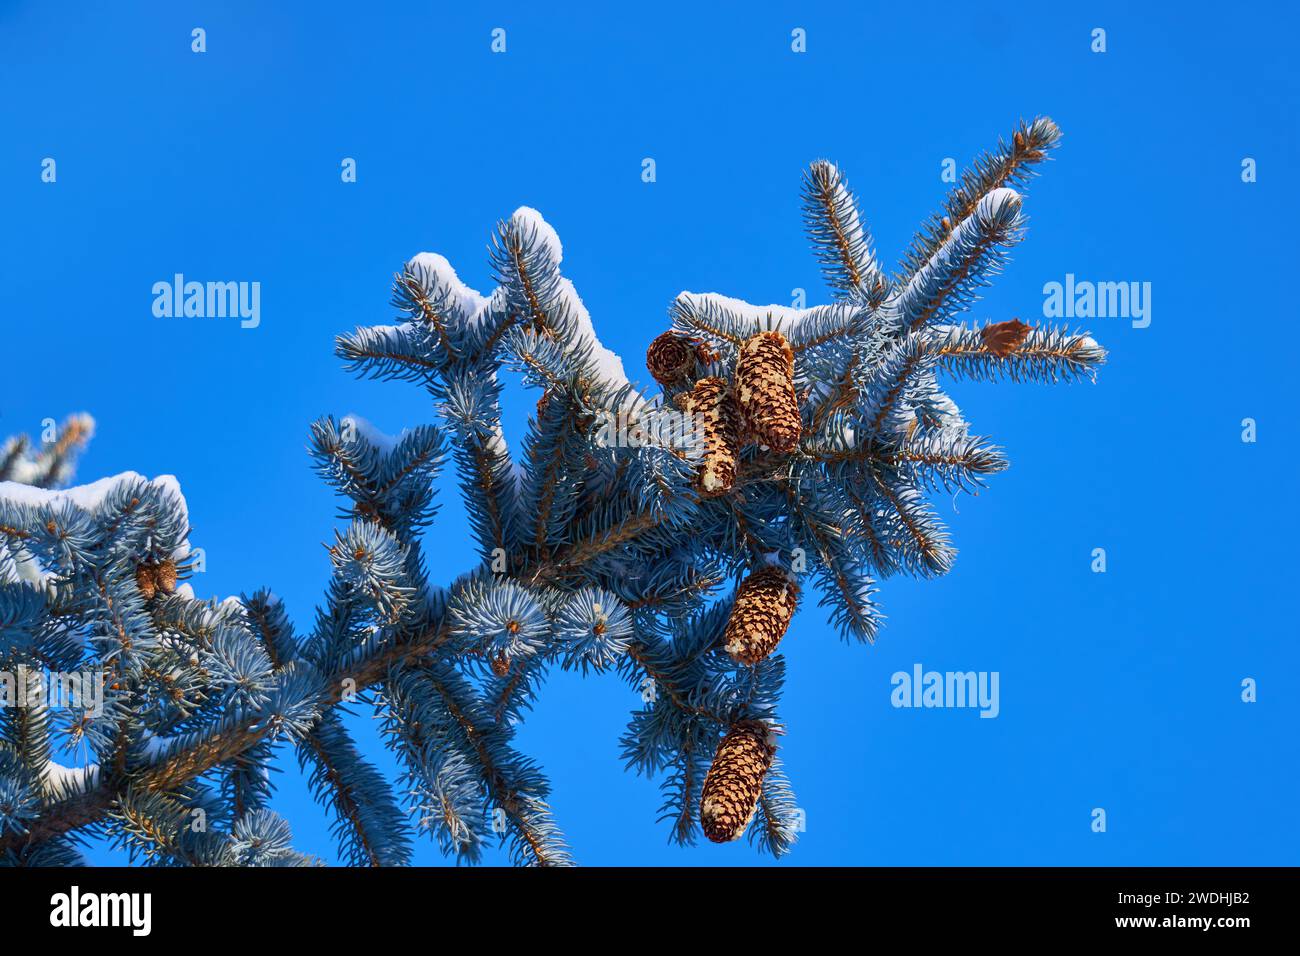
735	780
765	392
765	603
164	575
144	580
670	358
715	410
1003	338
152	577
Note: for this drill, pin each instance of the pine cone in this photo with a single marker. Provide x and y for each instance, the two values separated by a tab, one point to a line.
164	575
1003	338
716	411
144	580
765	603
735	781
765	391
670	357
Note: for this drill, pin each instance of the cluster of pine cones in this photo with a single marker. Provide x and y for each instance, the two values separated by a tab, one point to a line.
759	406
153	577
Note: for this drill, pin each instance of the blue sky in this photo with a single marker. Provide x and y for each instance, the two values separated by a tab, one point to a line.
1118	690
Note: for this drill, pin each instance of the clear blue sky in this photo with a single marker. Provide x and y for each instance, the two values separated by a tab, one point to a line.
1118	690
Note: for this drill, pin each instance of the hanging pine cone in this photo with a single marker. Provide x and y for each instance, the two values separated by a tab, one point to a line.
735	780
670	358
1003	338
715	410
765	603
765	391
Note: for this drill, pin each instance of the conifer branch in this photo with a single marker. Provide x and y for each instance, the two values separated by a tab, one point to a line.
1010	165
826	429
842	244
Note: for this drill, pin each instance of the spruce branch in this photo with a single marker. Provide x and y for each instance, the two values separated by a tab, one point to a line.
841	242
1009	165
369	826
975	249
53	462
1041	355
825	430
